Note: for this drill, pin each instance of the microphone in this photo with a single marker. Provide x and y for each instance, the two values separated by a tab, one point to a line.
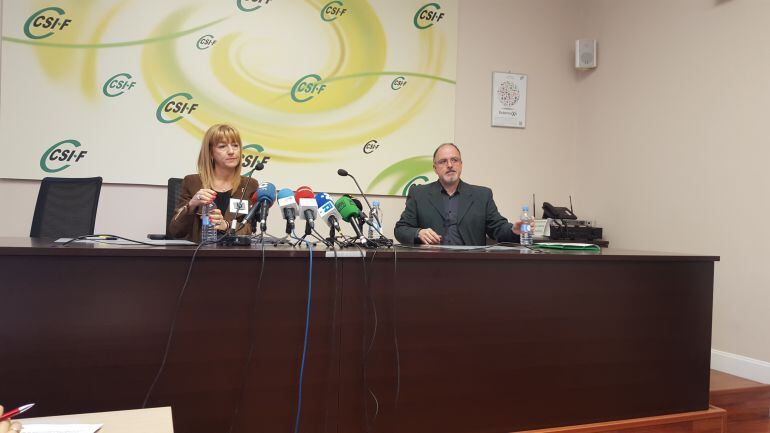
327	211
342	172
264	198
350	213
289	208
308	206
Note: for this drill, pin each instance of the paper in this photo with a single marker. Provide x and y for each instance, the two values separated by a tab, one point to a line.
60	428
159	243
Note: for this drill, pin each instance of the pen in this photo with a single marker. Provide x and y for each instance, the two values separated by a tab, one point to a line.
14	412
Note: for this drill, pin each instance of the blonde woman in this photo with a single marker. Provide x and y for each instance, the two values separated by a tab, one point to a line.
218	181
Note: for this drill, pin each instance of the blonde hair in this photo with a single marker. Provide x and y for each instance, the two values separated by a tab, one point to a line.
220	133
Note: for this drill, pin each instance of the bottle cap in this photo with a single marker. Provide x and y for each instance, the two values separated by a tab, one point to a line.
376	203
525	208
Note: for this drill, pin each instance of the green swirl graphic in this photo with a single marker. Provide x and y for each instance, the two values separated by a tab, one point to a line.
397	178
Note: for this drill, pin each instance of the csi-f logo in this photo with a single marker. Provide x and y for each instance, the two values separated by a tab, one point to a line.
332	11
398	83
419	180
251	5
306	88
178	103
250	156
61	156
371	146
205	42
47	21
118	85
428	15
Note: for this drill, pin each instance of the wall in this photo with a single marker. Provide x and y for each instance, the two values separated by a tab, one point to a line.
507	160
673	140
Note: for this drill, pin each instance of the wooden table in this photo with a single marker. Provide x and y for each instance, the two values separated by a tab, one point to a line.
405	341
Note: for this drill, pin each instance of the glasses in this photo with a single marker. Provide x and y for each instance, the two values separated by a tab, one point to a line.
445	161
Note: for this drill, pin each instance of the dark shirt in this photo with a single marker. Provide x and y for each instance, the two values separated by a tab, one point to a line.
222	201
451	232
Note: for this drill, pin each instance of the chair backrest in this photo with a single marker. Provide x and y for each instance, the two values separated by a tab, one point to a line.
174	191
66	208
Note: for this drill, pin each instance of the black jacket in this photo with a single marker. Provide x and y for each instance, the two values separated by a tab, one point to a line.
477	215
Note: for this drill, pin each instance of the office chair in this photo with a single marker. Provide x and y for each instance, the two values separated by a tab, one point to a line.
66	208
172	196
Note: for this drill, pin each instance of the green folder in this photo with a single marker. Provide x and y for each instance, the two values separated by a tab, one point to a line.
567	246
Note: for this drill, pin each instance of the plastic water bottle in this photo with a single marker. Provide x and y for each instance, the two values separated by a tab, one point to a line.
526	226
376	220
208	230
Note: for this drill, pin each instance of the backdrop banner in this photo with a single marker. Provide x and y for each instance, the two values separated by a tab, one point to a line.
126	89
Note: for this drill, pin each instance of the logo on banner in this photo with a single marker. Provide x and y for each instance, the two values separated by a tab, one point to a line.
47	21
398	83
422	180
206	42
371	146
333	10
177	104
251	5
250	156
118	85
427	16
307	88
61	156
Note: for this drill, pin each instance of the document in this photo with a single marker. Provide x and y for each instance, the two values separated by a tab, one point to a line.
61	428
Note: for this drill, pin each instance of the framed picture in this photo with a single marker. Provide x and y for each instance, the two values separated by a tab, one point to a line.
509	100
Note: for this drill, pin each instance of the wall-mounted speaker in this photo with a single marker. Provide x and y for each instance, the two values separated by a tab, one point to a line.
585	53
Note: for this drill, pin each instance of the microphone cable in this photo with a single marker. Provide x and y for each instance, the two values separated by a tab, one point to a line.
102	238
367	346
172	326
252	339
307	333
175	316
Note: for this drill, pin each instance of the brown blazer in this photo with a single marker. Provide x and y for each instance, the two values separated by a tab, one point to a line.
186	224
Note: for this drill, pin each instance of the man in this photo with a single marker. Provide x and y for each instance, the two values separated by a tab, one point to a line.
450	211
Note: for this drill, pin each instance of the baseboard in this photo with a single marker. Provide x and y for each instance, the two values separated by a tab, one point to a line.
740	366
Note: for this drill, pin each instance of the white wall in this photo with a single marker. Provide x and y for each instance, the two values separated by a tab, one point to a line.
663	144
673	126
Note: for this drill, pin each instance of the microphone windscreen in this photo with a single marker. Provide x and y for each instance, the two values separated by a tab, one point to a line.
342	172
347	208
266	192
358	204
253	198
284	193
304	192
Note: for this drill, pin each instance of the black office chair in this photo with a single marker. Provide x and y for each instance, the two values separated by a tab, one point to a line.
66	208
174	191
172	196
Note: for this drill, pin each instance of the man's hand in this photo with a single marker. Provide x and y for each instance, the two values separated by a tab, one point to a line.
517	226
429	237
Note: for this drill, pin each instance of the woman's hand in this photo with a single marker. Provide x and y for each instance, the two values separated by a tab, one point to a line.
8	426
203	196
216	218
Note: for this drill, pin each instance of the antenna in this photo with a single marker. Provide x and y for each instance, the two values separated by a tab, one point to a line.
534	211
570	205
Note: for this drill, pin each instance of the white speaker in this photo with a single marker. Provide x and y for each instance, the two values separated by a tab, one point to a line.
585	53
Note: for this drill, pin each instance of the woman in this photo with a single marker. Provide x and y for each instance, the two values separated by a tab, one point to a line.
218	180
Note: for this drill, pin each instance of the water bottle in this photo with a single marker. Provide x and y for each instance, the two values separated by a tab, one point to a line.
376	220
526	226
208	230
